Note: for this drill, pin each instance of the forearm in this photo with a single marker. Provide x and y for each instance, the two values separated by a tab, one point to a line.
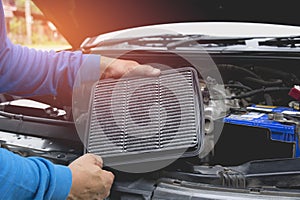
27	71
33	178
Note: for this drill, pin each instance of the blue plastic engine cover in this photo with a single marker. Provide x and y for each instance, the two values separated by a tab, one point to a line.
281	129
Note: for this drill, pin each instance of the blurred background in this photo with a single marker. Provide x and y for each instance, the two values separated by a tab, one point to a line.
26	25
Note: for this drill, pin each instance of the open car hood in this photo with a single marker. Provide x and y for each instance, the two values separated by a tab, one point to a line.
79	19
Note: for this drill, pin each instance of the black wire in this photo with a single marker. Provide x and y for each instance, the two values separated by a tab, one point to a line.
261	90
268	99
277	73
227	67
263	82
257	91
238	86
293	118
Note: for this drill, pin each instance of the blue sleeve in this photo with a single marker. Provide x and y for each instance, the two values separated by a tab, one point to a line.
25	72
32	178
31	72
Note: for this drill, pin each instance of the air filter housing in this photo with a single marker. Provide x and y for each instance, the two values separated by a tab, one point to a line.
145	119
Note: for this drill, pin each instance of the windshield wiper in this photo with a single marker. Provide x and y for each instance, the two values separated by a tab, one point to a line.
170	41
212	40
48	115
141	41
35	119
291	41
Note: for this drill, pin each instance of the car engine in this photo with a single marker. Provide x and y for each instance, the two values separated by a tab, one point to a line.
244	123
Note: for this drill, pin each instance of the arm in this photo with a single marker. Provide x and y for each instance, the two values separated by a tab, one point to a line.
27	71
32	178
31	72
38	178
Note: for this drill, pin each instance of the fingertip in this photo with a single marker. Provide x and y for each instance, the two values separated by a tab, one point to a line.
109	175
109	172
148	70
96	159
156	72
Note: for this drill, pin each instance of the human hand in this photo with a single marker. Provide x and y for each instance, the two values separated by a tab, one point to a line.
89	180
117	68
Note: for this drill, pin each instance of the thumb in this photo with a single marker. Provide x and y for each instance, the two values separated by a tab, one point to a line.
144	70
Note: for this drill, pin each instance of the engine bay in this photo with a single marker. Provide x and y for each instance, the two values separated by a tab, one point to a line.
258	126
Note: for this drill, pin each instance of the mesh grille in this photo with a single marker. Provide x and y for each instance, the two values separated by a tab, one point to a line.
141	115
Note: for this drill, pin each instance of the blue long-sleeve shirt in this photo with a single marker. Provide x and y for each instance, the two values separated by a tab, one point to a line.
32	178
25	72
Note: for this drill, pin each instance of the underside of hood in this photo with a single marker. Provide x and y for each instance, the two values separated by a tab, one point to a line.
78	19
